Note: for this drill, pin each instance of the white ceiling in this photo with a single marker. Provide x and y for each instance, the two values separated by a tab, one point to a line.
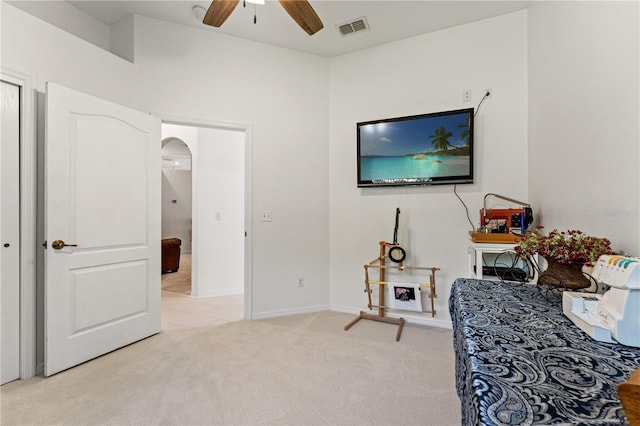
389	20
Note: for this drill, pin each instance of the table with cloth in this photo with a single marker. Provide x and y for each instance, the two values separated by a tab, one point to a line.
521	361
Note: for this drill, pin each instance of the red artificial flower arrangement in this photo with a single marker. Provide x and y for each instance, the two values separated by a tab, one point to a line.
566	247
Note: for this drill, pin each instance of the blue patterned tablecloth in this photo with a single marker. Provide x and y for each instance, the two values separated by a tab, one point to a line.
520	361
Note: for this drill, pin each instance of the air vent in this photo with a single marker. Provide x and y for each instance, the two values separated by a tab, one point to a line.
353	26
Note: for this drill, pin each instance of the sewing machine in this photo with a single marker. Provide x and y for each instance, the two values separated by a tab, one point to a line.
614	315
506	221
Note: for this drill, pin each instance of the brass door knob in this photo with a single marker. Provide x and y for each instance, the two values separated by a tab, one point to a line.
59	244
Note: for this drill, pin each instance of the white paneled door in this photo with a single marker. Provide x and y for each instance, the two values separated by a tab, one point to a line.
10	233
102	226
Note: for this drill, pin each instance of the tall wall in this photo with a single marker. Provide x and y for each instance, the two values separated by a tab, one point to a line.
68	17
584	109
421	75
219	200
44	53
281	96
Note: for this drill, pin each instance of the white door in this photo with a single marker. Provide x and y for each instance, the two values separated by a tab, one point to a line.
102	226
10	233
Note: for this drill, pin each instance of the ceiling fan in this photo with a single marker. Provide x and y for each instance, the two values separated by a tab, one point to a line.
300	10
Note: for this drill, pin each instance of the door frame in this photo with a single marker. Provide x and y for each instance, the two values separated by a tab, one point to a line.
248	192
28	227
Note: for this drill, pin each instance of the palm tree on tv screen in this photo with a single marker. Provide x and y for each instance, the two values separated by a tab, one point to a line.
465	133
440	139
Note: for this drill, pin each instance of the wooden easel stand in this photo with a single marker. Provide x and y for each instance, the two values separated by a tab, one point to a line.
374	317
379	263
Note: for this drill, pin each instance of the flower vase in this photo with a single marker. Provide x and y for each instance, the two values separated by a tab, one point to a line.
567	276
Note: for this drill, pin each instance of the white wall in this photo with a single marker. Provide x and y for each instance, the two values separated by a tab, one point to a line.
121	38
584	110
177	217
282	96
219	197
420	75
68	17
35	48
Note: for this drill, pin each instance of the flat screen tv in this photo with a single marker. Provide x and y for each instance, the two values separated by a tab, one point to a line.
425	149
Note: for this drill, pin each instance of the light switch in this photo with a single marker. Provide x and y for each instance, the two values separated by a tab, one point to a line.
266	216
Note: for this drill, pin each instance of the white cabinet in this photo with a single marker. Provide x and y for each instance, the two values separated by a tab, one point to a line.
500	255
476	259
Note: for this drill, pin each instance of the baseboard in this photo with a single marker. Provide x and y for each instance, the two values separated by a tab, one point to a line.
285	312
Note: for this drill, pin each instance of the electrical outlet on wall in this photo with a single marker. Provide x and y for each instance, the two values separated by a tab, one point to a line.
466	95
488	90
301	282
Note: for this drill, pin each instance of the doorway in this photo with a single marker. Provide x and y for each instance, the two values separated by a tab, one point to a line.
217	245
176	216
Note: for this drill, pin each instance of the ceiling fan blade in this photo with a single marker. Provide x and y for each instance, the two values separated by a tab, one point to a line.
304	15
219	11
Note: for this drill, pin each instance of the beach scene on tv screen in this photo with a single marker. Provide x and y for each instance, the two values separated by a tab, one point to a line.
415	150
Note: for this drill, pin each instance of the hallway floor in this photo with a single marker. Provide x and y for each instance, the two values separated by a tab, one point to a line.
180	311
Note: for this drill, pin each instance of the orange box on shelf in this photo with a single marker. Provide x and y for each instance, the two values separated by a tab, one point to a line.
491	238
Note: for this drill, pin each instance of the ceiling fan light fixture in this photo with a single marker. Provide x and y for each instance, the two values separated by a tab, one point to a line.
299	10
199	12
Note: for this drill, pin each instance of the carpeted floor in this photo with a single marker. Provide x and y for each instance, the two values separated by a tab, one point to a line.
180	281
294	370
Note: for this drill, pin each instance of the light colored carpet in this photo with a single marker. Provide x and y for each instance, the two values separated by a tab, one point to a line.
295	370
179	282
